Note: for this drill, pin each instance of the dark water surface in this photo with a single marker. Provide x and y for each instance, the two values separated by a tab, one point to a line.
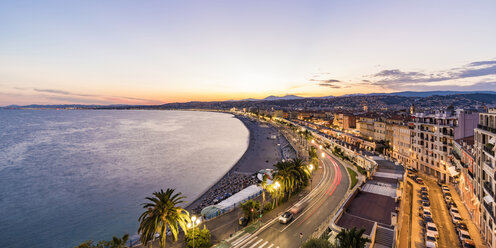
72	175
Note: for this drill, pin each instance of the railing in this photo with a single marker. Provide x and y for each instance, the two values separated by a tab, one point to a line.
490	129
489	150
487	186
489	209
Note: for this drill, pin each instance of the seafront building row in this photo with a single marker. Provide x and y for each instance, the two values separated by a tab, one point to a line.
454	146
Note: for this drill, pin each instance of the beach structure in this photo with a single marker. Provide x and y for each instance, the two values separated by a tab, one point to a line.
232	202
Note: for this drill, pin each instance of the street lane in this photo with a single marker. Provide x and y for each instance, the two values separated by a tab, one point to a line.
322	202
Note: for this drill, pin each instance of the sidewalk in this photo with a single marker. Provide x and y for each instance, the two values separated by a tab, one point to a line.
405	239
472	228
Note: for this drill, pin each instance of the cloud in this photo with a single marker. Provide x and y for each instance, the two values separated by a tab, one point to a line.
61	92
396	78
330	85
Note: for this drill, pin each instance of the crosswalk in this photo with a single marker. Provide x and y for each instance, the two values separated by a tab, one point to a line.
248	241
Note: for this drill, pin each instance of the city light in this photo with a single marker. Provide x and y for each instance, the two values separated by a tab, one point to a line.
323	155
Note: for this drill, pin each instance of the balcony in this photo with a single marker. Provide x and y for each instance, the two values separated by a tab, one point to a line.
489	129
489	149
488	188
489	209
487	167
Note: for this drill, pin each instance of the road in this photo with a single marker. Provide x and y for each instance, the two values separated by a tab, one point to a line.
321	203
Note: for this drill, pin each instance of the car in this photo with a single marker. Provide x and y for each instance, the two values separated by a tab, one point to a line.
447	199
445	188
426	205
431	227
447	194
456	218
461	226
454	210
427	212
425	199
286	217
430	240
423	188
467	243
419	180
428	219
424	193
464	235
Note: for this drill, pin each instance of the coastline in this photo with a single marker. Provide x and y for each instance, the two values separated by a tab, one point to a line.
261	153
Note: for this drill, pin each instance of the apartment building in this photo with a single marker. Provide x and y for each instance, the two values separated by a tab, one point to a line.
464	160
402	143
485	140
433	137
379	130
344	121
366	127
432	142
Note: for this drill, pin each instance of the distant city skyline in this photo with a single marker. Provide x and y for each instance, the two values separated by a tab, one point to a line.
152	52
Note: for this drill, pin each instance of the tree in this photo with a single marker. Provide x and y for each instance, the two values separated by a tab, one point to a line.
264	186
351	238
118	242
162	213
249	208
202	238
317	243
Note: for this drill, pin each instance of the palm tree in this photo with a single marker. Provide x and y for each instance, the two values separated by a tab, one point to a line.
351	238
264	186
162	213
119	242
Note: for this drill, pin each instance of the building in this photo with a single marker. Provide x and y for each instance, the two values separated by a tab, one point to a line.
433	138
344	121
485	140
464	160
365	125
402	143
432	142
379	130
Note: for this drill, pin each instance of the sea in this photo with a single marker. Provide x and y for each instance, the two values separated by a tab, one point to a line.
67	176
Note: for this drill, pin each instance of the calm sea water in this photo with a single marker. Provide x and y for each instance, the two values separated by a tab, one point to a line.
72	175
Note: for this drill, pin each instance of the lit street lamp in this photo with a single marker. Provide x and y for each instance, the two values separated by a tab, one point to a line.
194	222
323	155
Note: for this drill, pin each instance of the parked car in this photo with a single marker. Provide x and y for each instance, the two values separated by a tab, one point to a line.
428	219
427	212
451	204
447	194
425	199
431	227
419	180
461	226
422	189
447	199
430	240
456	218
426	205
445	188
286	217
454	210
464	235
468	243
424	193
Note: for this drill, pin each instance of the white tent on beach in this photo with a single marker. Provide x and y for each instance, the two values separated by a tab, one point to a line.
230	203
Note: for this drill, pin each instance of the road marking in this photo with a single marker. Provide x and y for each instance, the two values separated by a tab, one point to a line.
266	242
256	243
333	185
234	236
243	238
270	246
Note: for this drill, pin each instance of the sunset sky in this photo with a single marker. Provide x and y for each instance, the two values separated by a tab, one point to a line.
150	52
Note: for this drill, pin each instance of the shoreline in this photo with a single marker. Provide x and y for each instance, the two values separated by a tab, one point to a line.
255	158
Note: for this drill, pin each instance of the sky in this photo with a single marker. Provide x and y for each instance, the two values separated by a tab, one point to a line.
153	52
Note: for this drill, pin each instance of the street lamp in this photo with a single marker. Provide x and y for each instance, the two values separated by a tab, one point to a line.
320	147
194	222
310	167
323	155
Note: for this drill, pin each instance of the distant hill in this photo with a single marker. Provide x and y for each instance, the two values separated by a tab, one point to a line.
424	93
